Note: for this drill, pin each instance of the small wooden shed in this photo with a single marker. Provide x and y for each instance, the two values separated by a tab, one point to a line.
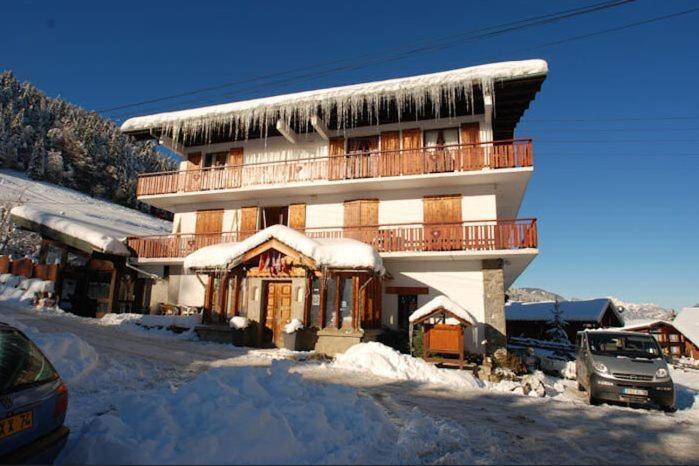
443	322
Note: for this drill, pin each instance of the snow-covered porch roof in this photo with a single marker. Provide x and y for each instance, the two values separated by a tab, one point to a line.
342	107
438	305
333	253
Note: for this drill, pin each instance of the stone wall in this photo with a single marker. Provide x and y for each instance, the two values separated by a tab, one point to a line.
494	305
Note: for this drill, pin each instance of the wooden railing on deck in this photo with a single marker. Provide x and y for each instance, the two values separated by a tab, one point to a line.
452	158
405	237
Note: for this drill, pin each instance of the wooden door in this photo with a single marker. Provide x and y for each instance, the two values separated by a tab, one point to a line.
336	162
208	227
389	164
361	219
297	216
248	222
472	154
412	154
192	180
278	309
362	158
442	216
234	170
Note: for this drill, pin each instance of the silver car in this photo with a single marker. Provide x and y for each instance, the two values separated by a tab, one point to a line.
624	367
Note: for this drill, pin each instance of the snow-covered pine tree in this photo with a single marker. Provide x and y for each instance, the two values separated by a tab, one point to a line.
556	331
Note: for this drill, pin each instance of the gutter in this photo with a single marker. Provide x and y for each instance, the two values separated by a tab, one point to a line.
152	276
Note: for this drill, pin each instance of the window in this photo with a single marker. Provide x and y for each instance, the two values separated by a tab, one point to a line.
674	337
346	301
330	311
21	363
274	216
315	304
438	138
215	159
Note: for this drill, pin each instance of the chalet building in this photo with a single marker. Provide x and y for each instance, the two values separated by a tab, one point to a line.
672	340
426	171
533	320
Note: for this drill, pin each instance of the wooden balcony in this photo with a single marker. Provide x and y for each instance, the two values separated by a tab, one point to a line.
408	237
447	159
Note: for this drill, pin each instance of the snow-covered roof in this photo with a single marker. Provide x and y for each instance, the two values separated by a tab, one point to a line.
441	302
573	311
100	225
336	253
350	101
642	323
687	322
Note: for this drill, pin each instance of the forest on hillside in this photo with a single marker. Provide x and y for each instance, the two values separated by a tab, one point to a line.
52	140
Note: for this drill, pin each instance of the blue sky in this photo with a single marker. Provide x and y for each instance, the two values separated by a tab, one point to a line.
616	126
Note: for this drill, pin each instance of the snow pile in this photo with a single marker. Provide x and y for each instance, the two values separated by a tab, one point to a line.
9	280
154	321
386	362
329	252
101	224
293	326
245	415
441	302
239	322
20	289
348	103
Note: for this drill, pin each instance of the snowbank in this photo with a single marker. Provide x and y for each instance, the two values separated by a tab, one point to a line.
350	102
246	415
239	322
100	223
386	362
20	289
293	326
156	321
329	252
441	302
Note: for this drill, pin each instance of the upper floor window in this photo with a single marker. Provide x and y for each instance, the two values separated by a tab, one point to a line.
439	138
215	159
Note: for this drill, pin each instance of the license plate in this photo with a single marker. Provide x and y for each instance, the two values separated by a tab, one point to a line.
16	423
634	391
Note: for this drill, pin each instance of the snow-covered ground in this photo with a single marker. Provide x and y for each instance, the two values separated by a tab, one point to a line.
143	396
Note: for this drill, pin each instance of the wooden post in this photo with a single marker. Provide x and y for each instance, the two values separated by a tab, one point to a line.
208	298
236	294
338	300
222	295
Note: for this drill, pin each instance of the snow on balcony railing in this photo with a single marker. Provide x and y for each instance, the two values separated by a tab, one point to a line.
450	158
406	237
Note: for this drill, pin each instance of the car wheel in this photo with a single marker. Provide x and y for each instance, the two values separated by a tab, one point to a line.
591	398
670	409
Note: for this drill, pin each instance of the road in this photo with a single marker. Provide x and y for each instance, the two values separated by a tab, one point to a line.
514	428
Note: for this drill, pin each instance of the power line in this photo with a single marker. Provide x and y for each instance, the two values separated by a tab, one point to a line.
435	44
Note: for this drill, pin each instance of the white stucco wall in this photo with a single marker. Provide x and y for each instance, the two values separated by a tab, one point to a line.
462	281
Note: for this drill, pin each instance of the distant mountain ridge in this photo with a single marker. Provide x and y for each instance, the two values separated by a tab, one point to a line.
630	311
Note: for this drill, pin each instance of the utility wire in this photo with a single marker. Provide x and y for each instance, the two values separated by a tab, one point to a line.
437	44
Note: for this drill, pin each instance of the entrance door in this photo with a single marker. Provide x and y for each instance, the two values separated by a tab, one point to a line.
442	216
407	304
278	310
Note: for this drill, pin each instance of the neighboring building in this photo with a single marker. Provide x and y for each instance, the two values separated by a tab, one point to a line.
673	341
687	322
533	320
426	170
86	238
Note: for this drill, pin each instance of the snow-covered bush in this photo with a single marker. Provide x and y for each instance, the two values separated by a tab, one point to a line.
239	322
293	326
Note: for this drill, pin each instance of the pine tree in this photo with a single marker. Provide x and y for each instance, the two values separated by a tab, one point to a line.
556	331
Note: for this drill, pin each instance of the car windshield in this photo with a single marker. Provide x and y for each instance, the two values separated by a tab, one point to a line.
21	363
633	346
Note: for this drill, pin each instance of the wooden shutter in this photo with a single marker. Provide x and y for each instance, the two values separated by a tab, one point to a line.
442	216
336	165
248	222
390	153
192	178
234	170
361	220
297	216
208	227
411	154
472	155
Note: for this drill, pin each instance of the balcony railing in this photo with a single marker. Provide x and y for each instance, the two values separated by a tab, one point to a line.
452	158
406	237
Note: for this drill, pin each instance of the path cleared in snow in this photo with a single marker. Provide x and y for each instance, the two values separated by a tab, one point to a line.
515	429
